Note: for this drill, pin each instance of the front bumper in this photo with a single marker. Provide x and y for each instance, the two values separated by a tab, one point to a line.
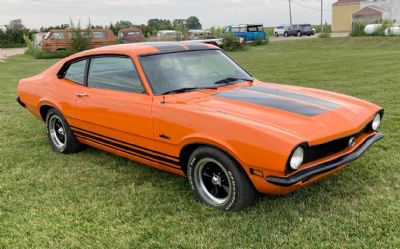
306	174
20	102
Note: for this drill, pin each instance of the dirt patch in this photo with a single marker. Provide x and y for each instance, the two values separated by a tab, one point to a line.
7	52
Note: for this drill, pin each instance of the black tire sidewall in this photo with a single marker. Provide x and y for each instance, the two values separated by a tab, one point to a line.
234	173
67	130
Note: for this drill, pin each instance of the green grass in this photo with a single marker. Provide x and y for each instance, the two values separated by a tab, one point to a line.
94	199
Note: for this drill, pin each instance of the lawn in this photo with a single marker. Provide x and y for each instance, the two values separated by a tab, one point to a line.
95	199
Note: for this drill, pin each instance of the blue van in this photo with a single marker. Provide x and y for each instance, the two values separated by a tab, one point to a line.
249	32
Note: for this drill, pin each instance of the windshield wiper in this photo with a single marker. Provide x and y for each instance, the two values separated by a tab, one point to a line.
230	80
186	89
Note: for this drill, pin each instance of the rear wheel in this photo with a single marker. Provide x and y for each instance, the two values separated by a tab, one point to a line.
59	133
218	181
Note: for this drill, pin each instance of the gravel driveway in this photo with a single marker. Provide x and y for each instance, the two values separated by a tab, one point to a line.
6	52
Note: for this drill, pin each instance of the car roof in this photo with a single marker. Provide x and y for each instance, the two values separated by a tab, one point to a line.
146	48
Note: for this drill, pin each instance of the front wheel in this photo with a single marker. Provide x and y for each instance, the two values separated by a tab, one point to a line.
276	34
298	33
286	34
218	181
59	133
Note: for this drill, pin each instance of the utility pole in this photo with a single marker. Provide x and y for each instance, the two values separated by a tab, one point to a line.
290	12
322	6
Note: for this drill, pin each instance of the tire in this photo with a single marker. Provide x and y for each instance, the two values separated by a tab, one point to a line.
298	33
276	34
286	34
59	133
218	181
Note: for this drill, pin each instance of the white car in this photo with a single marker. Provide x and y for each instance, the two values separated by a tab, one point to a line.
280	30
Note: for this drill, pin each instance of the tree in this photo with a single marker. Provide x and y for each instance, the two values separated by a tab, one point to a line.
156	24
178	23
16	25
193	23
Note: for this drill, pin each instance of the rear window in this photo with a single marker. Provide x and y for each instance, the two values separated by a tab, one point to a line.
76	72
305	25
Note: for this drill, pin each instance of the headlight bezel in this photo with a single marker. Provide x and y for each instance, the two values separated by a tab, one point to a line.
289	168
376	122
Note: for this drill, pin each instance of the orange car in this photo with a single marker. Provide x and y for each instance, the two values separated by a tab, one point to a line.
187	108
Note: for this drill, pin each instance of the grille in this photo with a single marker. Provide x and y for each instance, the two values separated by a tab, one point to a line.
323	150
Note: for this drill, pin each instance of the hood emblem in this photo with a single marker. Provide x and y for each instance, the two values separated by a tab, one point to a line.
352	142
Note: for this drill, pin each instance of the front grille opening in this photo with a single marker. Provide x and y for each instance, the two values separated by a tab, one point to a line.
323	150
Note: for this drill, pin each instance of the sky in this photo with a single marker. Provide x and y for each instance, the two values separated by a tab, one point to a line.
37	13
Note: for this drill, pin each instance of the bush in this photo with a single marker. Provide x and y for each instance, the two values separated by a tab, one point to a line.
258	41
327	28
79	37
326	32
358	29
12	38
39	54
231	42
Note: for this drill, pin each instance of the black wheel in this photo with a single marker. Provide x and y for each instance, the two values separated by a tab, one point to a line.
59	133
298	33
276	34
286	34
219	181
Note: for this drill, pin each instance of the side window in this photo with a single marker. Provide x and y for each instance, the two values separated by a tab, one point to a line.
99	35
115	73
58	36
76	72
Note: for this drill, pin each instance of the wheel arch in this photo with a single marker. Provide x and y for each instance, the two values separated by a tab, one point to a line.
44	107
189	148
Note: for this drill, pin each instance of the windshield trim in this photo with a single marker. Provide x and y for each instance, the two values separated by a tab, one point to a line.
140	56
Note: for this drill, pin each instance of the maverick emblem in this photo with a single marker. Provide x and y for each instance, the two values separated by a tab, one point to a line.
352	142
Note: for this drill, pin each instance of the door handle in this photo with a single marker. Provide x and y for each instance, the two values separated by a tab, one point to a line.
79	95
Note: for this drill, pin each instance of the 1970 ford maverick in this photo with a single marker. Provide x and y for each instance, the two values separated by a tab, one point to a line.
187	108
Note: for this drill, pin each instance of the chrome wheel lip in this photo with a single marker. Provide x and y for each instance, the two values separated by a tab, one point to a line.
56	133
202	189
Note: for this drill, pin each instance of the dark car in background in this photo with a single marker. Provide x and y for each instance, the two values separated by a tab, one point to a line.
131	35
299	30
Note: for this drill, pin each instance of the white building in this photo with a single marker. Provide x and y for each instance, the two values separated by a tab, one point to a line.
389	9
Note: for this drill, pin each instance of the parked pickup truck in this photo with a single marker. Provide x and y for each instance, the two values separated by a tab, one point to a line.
249	32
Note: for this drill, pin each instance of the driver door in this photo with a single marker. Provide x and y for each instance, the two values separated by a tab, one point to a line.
114	110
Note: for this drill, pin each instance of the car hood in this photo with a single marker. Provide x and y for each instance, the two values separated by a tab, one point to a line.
312	115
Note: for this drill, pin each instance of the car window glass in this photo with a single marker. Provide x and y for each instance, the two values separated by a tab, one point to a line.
99	35
115	73
76	72
189	69
235	29
58	36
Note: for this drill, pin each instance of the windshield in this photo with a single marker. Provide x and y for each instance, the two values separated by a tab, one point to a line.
191	69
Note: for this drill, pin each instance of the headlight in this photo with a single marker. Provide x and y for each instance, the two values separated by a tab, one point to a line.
376	122
297	158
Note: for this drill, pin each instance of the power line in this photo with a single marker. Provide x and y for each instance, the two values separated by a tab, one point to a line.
310	8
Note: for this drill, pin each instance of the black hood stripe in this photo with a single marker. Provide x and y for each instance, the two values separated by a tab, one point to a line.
294	96
270	101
